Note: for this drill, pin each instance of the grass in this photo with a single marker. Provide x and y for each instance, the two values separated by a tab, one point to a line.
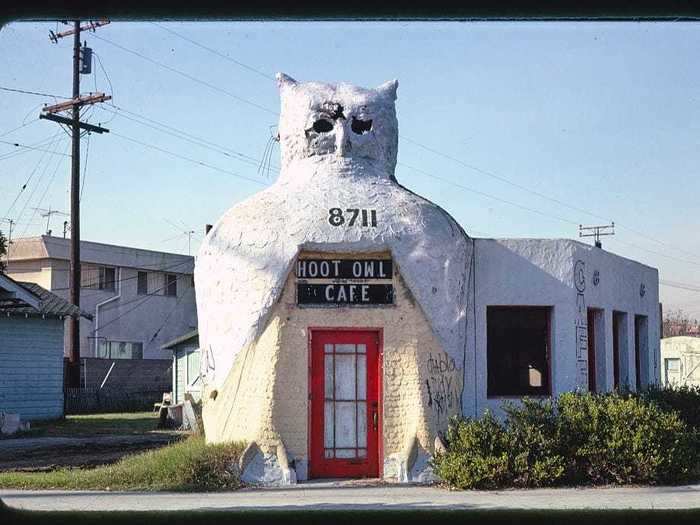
189	465
94	424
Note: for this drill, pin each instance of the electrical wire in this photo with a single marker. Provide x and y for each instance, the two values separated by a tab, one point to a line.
18	145
437	152
194	161
188	137
145	299
226	57
85	164
26	92
46	190
188	76
20	127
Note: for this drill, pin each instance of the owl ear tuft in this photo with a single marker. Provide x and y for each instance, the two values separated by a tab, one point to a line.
285	81
389	88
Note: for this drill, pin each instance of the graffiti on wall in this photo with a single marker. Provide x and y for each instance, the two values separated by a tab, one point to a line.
443	385
581	324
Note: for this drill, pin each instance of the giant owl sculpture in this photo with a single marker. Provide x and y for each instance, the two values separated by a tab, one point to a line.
338	150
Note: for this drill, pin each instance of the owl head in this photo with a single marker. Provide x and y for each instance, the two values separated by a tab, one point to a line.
338	123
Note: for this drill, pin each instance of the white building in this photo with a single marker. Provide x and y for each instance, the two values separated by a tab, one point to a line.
139	299
343	319
681	361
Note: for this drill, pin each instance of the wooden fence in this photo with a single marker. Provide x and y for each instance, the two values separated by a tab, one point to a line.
96	400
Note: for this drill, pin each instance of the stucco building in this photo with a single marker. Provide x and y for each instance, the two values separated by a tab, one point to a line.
138	299
344	319
680	356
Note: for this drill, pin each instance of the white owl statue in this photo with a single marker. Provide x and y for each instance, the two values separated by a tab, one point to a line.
338	151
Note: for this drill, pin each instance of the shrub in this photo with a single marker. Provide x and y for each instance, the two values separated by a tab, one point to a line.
610	438
578	438
477	455
683	399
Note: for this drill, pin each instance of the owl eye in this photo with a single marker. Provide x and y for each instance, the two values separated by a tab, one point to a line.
323	126
360	126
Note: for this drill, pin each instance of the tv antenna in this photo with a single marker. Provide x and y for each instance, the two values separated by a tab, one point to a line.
596	232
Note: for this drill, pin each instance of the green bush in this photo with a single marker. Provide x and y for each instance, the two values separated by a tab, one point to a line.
576	439
683	399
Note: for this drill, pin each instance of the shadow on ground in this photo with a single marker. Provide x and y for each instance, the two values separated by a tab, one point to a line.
331	515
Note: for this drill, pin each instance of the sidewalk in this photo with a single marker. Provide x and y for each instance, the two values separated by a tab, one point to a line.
329	495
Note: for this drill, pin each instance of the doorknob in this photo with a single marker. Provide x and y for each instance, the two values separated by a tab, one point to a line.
375	419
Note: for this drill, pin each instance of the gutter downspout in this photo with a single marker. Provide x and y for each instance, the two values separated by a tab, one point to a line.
106	301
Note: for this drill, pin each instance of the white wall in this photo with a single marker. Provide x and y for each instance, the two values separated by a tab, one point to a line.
537	272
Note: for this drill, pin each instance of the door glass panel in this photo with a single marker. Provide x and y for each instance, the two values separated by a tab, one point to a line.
361	377
345	426
328	379
345	376
362	453
345	453
361	424
329	453
328	348
362	349
345	349
328	424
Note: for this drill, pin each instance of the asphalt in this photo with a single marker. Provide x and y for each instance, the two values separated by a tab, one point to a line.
330	495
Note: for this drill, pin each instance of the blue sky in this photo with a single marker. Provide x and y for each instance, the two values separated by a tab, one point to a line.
601	118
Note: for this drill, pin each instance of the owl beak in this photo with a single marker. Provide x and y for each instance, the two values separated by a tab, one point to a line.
343	147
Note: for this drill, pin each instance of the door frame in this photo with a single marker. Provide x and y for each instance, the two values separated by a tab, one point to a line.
380	387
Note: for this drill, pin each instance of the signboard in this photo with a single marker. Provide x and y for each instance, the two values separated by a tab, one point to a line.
348	282
344	269
343	293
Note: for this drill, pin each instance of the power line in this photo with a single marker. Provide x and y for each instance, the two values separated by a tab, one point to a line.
194	161
188	137
124	279
32	93
18	145
427	148
188	76
20	127
46	190
145	299
680	286
226	57
478	192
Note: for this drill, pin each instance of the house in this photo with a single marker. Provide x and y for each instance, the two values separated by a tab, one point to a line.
138	299
31	349
681	361
186	358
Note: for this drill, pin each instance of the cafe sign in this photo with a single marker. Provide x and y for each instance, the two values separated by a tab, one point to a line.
348	282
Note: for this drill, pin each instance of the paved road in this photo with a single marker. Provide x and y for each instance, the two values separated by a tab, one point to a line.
347	496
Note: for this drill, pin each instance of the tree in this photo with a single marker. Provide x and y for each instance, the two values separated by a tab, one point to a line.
3	251
677	322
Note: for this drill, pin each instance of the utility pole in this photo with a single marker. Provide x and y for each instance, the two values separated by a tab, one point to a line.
49	113
597	232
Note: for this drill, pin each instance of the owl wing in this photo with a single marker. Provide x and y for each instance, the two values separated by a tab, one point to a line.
239	273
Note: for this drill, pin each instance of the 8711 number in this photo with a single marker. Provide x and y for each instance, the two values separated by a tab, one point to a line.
367	216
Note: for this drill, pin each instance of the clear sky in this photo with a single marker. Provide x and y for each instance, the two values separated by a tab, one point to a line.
517	129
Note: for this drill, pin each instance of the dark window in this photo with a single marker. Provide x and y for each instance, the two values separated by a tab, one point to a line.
120	350
518	350
641	350
142	285
170	284
619	350
107	278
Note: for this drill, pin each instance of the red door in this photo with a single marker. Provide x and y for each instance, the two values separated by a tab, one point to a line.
345	411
